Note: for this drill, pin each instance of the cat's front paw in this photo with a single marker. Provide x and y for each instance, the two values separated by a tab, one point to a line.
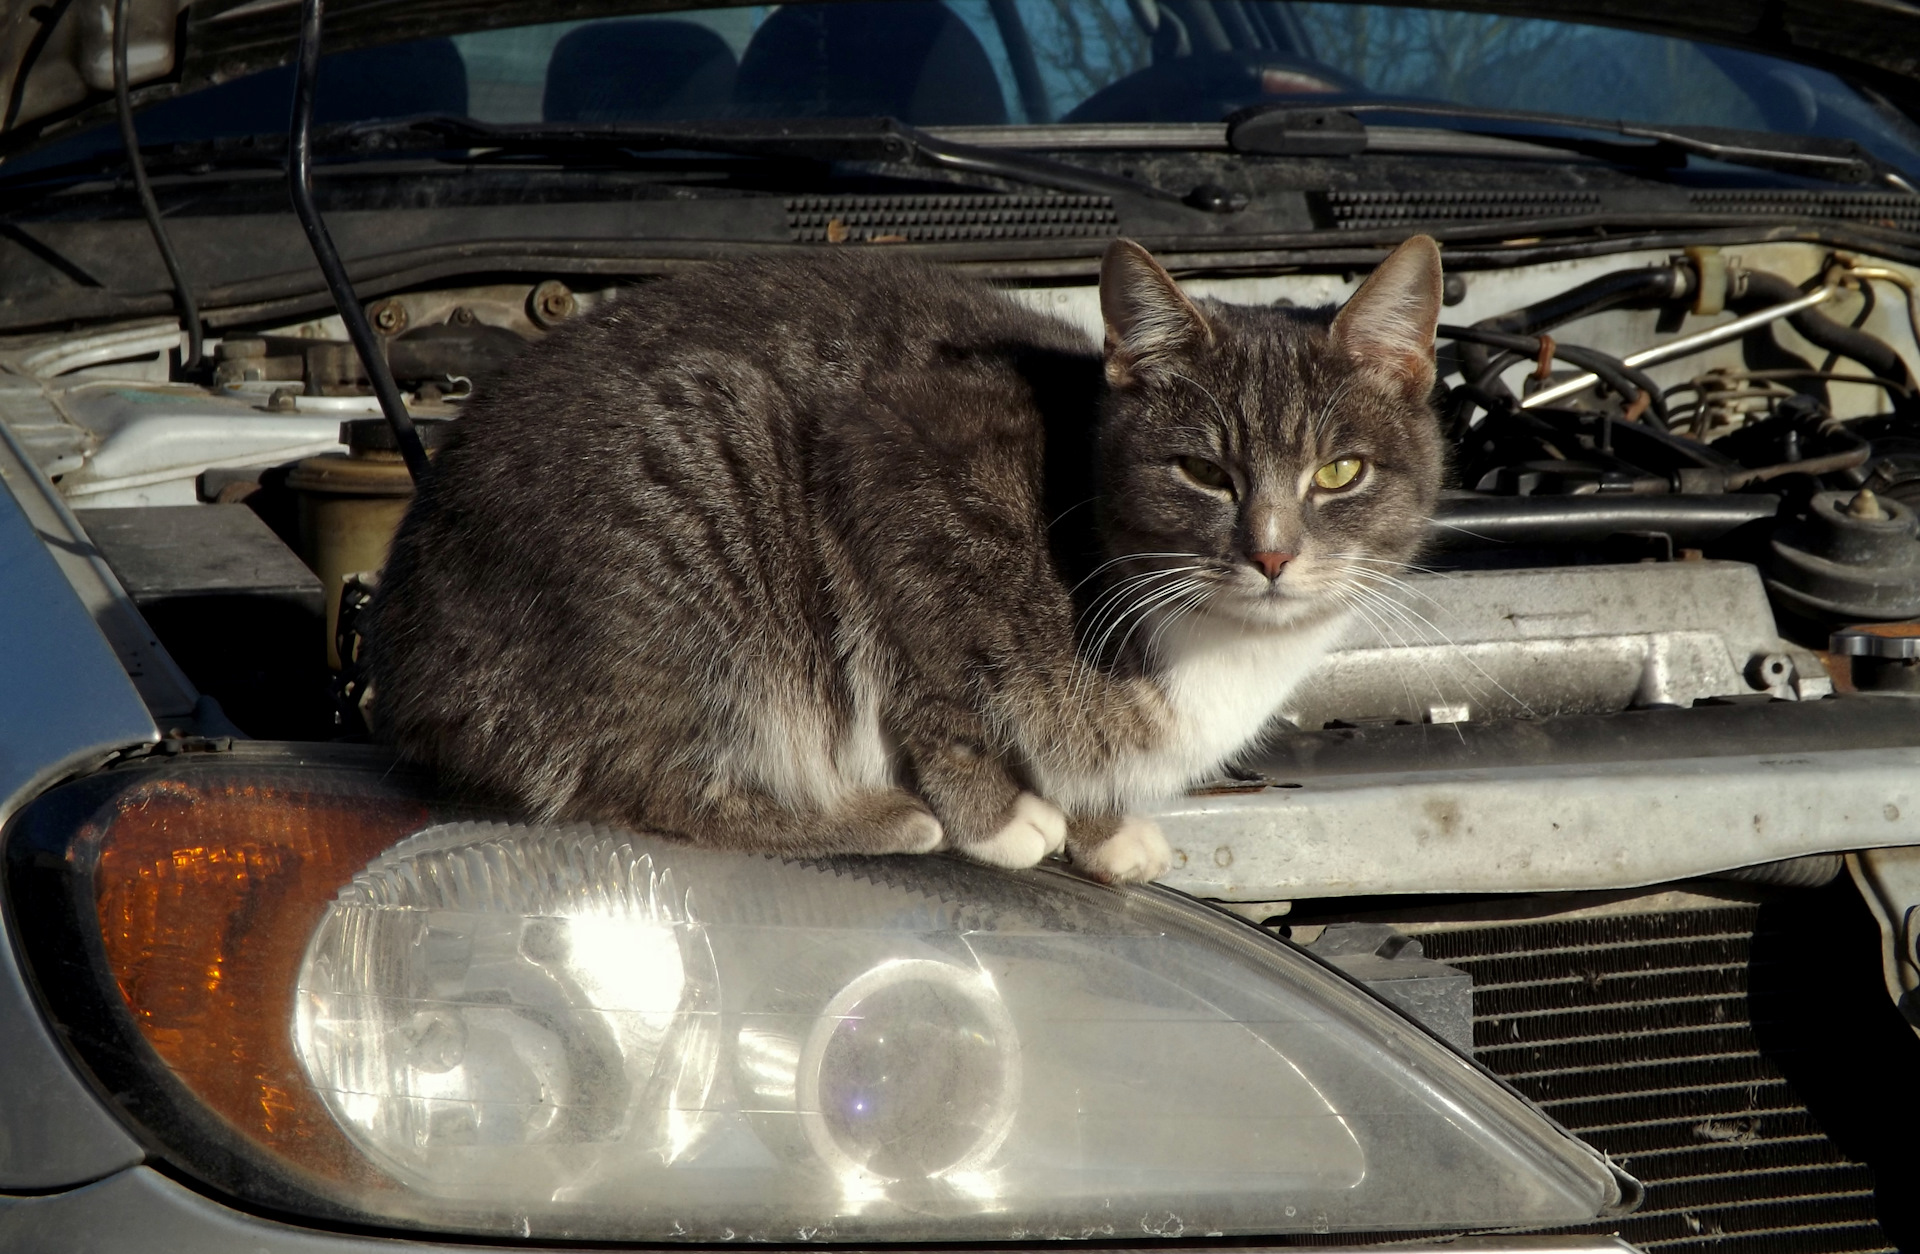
1037	828
1135	853
917	831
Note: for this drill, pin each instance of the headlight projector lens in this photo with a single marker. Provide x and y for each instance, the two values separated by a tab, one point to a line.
912	1071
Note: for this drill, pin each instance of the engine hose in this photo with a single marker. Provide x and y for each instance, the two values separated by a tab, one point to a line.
1621	287
1467	522
1617	375
1761	289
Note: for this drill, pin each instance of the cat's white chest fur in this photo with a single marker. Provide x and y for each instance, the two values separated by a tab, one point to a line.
1222	682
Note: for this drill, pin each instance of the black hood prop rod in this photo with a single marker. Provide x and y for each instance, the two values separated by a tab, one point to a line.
149	207
300	186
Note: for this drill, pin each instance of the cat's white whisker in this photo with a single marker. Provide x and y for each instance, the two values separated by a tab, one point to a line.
1371	617
1147	612
1115	601
1413	617
1125	557
1111	606
1325	416
1226	427
1386	562
1144	602
1137	610
1194	601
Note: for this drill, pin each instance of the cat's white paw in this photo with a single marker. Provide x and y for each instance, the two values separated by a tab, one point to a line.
918	832
1134	854
1036	829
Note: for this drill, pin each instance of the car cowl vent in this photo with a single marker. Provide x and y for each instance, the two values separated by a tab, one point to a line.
1362	210
1890	209
943	219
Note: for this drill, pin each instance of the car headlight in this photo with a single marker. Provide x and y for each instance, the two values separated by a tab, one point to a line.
315	990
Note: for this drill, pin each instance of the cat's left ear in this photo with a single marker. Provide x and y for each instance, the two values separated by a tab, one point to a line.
1150	321
1389	323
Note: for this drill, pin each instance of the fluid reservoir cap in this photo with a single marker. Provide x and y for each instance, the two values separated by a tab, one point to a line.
1887	640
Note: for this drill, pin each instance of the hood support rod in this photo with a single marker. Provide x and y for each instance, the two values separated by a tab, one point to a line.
149	207
300	186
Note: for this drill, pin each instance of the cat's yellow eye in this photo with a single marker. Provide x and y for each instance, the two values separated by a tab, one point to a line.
1205	473
1338	473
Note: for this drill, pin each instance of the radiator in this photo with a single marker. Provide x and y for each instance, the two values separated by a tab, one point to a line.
1634	1031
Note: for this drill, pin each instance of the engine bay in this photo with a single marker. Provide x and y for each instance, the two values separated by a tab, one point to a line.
1674	478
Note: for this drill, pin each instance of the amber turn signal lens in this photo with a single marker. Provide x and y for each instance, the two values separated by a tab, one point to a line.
205	883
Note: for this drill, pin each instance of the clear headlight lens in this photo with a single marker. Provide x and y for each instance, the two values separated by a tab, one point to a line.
570	1031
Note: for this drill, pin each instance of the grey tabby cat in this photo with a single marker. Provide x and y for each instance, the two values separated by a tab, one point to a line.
849	554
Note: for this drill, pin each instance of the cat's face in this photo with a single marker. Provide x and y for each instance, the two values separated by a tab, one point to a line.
1266	465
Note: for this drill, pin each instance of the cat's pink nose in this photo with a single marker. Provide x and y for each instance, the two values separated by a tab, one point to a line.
1272	563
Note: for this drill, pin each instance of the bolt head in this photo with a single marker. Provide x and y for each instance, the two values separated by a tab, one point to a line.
388	316
1866	505
552	301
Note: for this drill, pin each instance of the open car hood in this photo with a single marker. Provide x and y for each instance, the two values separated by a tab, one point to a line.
56	65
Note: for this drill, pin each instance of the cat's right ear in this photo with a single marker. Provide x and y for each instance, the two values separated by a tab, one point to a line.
1150	322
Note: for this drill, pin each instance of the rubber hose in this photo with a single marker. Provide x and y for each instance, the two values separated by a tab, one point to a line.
1764	289
1466	522
1617	375
1619	287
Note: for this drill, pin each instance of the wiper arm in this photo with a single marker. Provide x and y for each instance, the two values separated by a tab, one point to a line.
1288	130
808	139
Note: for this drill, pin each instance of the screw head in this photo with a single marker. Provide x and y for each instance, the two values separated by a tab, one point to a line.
389	316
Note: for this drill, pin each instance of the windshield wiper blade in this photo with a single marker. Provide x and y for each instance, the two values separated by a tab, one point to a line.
797	139
1290	130
807	139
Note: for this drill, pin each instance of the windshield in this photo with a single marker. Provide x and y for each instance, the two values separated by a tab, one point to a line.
1013	62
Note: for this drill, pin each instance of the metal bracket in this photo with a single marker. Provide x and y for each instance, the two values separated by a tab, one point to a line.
1889	881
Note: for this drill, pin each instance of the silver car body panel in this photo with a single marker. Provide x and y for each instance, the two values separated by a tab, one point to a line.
65	704
1534	829
164	692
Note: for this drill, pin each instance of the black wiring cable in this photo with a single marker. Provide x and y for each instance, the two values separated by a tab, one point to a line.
1615	373
1527	349
300	187
149	207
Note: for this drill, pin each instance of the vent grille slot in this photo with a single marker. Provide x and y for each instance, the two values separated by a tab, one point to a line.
1888	209
1634	1032
944	219
1355	211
